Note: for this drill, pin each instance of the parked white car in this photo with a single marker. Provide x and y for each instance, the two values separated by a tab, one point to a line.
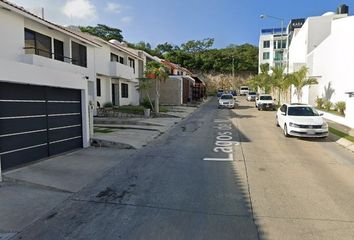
251	96
301	120
265	102
244	90
226	101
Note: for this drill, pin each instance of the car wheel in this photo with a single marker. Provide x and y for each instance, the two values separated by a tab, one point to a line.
286	131
276	122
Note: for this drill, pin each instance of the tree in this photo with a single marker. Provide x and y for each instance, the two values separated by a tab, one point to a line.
144	86
155	71
279	80
262	80
164	48
299	79
104	32
194	46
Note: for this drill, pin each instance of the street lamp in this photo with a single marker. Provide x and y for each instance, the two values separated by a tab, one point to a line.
263	16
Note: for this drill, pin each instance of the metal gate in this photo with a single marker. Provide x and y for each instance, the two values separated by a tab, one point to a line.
37	122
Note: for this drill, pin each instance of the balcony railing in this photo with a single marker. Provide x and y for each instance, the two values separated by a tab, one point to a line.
45	53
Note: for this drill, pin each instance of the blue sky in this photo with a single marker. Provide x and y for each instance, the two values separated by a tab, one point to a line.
159	21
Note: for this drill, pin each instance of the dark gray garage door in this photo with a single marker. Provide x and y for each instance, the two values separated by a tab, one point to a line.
37	122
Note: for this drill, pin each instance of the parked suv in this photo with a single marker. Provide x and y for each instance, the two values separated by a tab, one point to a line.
244	90
265	102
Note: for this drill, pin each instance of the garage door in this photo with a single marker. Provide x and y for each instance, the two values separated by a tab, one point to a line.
37	122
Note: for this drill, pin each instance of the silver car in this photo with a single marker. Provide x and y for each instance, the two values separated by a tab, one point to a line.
226	101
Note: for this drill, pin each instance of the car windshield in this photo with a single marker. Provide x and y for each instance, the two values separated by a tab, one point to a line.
265	98
252	93
226	97
244	88
302	111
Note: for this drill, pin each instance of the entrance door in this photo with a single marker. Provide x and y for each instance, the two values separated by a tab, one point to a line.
115	94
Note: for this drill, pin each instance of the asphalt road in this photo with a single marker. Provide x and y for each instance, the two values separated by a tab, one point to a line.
219	174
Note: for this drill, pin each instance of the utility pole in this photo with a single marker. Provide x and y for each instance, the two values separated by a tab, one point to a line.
233	67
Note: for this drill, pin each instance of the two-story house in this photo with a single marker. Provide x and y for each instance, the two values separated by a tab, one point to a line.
118	69
47	79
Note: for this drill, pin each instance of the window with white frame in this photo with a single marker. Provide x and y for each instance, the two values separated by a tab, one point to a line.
265	55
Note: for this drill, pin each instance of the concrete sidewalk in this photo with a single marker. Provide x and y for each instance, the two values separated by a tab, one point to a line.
31	192
137	132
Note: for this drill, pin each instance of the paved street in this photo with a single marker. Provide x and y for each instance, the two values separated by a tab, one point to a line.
219	174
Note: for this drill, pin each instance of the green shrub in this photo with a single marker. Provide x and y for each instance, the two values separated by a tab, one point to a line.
320	102
327	105
340	106
108	105
146	103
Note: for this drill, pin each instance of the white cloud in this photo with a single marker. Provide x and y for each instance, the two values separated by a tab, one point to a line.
127	19
81	9
113	7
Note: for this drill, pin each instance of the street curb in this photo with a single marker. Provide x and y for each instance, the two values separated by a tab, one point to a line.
346	144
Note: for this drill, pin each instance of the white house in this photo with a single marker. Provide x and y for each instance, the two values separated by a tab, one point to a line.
47	79
118	69
324	46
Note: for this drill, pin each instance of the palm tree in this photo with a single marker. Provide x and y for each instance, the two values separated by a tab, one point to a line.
279	80
262	80
299	79
157	72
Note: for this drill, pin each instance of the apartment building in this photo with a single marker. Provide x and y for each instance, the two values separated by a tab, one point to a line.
273	47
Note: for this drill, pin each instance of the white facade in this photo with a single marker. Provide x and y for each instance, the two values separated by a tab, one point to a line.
272	47
17	65
325	46
116	68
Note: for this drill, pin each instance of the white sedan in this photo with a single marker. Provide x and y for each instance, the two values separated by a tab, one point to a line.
226	101
301	120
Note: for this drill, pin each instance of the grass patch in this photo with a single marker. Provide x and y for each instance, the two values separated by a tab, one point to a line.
331	111
131	109
341	134
136	109
163	109
103	130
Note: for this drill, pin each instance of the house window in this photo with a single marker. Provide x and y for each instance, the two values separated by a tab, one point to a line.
79	54
265	55
266	44
121	60
284	44
58	50
114	58
132	63
98	87
124	90
278	56
39	44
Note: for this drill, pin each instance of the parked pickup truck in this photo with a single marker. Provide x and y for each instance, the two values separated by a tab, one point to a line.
265	102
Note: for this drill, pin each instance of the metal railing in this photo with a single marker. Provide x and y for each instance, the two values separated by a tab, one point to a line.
38	51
